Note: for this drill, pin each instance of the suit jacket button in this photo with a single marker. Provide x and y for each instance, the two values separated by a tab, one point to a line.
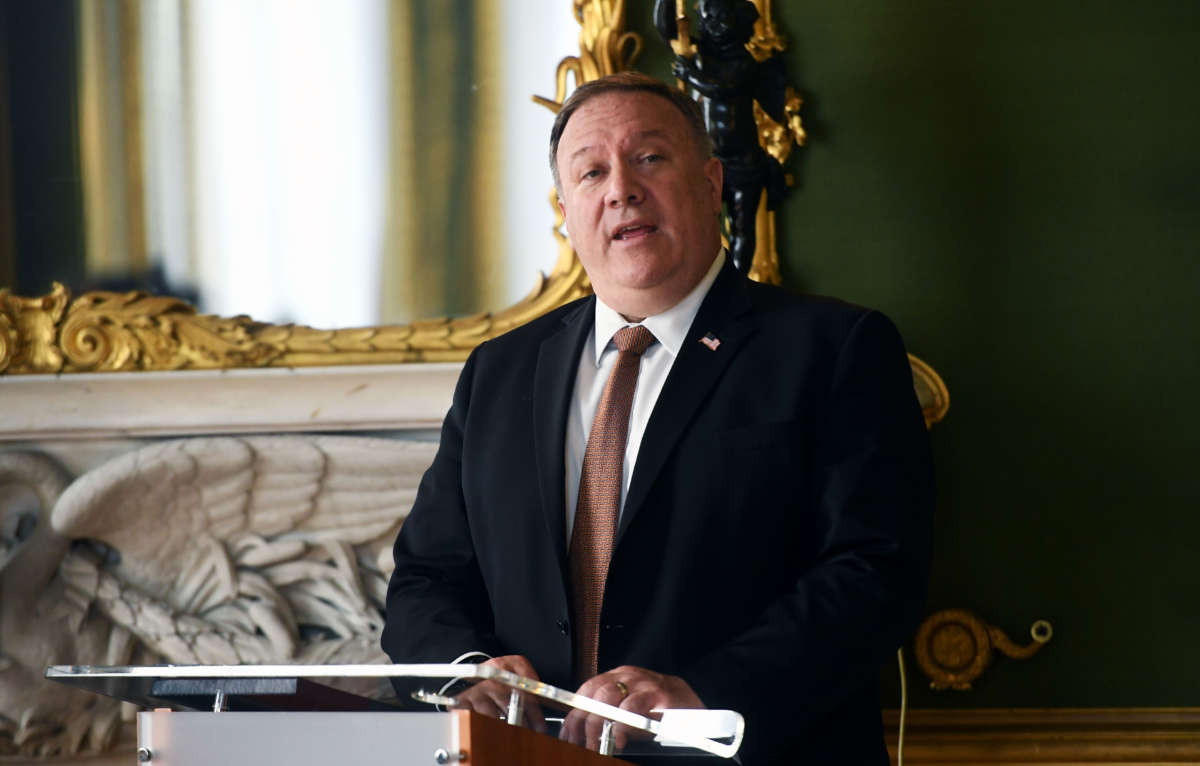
562	626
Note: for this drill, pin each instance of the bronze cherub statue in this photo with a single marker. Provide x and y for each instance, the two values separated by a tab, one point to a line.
729	81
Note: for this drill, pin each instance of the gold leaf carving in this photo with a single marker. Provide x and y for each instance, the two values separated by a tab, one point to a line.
134	331
8	341
766	40
765	266
931	391
109	332
605	47
777	139
35	348
954	647
105	332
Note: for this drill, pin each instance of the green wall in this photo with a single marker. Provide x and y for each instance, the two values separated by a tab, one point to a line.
1018	185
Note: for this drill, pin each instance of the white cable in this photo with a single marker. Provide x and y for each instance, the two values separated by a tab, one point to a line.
465	655
457	661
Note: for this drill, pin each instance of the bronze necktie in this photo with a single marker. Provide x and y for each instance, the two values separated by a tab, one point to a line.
600	496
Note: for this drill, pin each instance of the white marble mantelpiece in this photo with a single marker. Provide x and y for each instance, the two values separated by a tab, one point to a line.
93	406
63	434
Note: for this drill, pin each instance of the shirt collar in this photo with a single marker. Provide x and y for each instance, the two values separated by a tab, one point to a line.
670	327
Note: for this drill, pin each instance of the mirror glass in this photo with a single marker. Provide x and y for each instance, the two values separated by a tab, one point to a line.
328	162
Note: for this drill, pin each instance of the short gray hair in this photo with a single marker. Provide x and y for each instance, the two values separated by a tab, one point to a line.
629	82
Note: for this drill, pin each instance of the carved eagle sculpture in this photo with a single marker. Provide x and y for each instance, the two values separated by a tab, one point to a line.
41	622
233	550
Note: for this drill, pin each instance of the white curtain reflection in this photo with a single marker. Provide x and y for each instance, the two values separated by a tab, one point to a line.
537	35
165	132
266	130
286	225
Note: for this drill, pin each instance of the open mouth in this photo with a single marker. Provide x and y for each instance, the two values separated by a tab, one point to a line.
634	231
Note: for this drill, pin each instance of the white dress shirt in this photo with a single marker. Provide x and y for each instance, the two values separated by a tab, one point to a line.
599	355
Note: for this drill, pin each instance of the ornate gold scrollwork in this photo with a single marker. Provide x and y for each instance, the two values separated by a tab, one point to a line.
8	341
931	391
32	331
108	332
778	141
766	40
682	44
605	47
954	647
765	267
113	332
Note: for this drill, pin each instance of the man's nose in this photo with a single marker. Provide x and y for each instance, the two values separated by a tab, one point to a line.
623	188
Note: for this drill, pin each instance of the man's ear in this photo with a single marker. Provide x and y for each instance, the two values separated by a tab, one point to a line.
563	211
714	171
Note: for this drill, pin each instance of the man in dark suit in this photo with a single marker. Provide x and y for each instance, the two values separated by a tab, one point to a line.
768	539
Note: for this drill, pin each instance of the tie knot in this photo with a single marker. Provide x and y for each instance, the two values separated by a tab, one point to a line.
635	339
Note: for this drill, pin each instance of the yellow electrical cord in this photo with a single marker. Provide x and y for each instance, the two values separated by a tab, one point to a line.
903	708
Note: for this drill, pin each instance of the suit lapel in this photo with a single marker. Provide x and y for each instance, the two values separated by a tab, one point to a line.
724	313
553	384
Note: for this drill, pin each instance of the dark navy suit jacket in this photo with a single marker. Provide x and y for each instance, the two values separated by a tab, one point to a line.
773	545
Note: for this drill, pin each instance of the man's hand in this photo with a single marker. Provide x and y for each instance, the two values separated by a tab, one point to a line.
630	688
490	698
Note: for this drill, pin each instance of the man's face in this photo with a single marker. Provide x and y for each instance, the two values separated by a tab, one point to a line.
639	200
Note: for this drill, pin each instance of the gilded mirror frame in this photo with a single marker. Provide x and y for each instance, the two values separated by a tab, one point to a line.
136	331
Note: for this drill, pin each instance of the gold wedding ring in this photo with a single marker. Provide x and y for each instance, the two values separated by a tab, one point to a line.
621	687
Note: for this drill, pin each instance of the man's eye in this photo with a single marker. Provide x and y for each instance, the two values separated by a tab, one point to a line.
593	173
651	158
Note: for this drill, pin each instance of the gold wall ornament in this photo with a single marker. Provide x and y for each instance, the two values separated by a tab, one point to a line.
682	44
779	140
605	47
114	332
31	344
954	647
765	267
8	342
931	391
766	40
123	332
109	332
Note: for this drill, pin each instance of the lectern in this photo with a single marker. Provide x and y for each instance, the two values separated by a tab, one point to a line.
302	714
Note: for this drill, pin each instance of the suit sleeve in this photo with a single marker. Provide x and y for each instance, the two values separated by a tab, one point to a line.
437	606
825	640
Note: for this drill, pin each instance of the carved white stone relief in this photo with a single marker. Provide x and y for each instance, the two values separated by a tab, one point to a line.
209	550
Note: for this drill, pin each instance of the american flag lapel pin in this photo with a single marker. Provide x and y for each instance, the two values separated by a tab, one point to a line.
711	341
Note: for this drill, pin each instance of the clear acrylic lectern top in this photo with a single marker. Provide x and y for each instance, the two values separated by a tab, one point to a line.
321	688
